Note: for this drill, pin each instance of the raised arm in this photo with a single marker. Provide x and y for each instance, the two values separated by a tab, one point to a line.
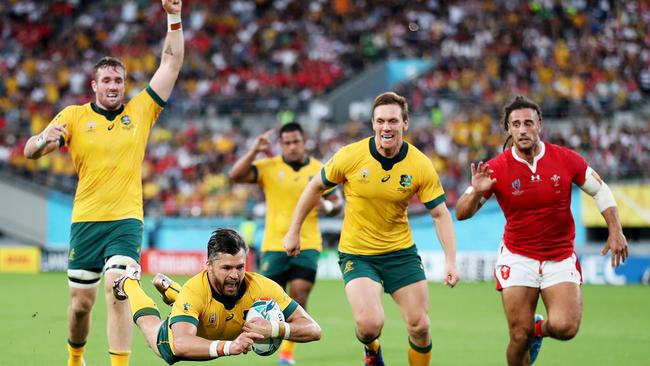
188	345
242	170
472	200
599	190
164	78
300	327
50	139
308	200
445	231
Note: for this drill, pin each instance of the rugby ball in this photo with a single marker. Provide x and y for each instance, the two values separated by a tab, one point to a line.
268	309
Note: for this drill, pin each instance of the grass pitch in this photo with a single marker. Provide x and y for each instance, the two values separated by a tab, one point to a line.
468	328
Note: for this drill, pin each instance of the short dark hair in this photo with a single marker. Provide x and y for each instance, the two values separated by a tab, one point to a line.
290	127
108	61
225	240
519	102
388	98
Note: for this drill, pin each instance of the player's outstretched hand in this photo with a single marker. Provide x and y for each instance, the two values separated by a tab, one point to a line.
243	343
259	326
451	275
172	6
263	141
481	180
617	243
292	244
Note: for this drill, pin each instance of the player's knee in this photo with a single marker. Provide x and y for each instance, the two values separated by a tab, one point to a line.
418	328
565	330
521	335
81	306
369	329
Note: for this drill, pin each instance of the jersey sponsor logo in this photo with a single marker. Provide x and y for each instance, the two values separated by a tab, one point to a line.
516	185
505	272
110	127
535	178
405	180
230	316
349	266
385	178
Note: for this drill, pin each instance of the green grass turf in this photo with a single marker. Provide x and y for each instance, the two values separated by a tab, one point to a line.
468	328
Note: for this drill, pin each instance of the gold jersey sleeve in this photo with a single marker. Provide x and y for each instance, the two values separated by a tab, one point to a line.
282	185
218	318
107	150
377	191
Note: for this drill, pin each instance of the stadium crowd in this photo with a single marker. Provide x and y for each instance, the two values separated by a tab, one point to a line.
185	171
268	55
584	57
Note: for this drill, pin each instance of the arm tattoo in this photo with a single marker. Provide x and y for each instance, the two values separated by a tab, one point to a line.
169	51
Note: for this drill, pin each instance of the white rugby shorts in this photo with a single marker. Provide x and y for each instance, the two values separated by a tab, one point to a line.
518	270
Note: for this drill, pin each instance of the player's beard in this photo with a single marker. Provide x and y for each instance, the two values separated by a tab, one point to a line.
527	150
110	104
229	287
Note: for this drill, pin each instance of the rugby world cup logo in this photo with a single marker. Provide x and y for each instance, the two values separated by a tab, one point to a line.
516	185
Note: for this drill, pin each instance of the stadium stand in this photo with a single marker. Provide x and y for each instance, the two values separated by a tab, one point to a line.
581	61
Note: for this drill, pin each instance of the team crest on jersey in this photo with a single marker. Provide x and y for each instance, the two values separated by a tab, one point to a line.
505	272
405	180
125	120
71	254
556	180
516	185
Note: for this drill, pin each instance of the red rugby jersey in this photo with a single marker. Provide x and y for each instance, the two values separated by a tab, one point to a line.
536	200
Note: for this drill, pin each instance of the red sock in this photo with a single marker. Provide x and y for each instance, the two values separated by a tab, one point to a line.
538	329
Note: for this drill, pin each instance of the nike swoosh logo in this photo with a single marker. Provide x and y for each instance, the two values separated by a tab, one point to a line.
384	179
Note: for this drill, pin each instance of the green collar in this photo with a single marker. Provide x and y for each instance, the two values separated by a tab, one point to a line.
296	165
388	163
110	115
227	301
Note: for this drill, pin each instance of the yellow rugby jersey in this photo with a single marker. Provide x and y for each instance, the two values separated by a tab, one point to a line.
377	191
220	318
283	184
107	149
